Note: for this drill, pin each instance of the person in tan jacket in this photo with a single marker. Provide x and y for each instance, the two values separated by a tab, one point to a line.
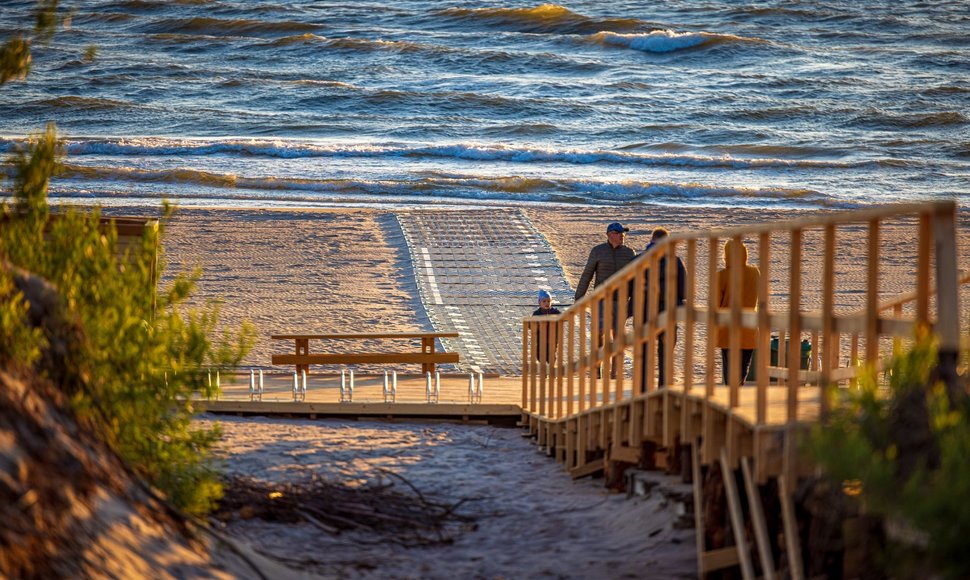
750	277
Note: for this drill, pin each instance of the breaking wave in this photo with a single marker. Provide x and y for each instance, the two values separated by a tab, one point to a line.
660	41
497	153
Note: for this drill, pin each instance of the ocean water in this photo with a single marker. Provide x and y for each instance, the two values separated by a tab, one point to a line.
835	104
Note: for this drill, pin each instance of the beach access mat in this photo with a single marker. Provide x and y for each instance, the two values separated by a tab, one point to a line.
478	273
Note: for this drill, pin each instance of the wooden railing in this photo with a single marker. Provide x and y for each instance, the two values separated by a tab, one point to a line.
853	310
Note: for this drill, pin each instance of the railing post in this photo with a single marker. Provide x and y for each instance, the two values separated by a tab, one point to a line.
584	358
736	285
872	294
670	308
764	326
571	365
690	316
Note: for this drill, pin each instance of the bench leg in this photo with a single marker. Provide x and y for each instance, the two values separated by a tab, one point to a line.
427	347
302	348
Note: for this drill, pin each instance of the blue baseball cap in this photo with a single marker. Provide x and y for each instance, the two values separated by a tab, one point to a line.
616	227
543	295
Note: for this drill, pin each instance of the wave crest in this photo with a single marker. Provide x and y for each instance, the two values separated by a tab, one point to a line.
297	150
660	41
458	188
544	18
215	26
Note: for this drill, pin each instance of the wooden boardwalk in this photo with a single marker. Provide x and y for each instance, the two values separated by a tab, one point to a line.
594	424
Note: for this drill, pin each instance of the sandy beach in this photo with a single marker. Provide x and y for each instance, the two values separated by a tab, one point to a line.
349	270
530	520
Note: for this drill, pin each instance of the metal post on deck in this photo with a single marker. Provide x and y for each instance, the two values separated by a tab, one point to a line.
481	386
437	386
394	386
303	386
295	386
260	395
471	387
252	385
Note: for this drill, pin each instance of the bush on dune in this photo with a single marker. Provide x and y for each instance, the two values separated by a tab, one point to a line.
142	353
903	452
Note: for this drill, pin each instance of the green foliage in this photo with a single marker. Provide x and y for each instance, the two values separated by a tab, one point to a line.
15	56
857	449
147	353
20	345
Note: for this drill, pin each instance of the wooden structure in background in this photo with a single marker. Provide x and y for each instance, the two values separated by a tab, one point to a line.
590	421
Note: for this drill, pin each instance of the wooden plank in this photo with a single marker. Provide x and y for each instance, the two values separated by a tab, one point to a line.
872	294
764	333
639	287
542	329
378	409
698	488
366	335
690	315
670	303
583	358
734	330
591	468
758	521
363	358
560	327
625	453
794	324
792	543
533	369
653	307
830	340
925	237
718	560
712	305
737	518
947	290
570	362
582	438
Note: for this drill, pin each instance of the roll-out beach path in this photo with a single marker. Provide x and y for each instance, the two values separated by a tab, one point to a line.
865	280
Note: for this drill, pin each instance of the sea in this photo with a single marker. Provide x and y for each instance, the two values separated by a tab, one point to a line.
315	103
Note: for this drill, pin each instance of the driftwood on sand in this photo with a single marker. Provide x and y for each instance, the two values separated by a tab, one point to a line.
386	512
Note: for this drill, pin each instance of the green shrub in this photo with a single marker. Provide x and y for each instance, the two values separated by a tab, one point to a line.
145	353
868	447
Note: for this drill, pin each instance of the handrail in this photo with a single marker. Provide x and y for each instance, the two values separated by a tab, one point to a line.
568	369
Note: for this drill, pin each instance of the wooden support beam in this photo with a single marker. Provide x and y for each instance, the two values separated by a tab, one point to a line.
737	518
625	454
591	468
792	543
758	521
718	560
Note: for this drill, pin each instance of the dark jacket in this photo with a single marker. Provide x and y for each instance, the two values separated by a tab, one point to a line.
662	281
553	343
604	261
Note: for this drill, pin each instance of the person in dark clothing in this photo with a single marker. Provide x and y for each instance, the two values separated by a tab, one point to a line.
546	308
658	235
605	260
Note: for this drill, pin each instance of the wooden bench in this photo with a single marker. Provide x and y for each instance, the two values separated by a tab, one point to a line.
428	358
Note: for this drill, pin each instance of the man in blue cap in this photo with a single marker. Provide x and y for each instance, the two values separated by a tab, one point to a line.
605	260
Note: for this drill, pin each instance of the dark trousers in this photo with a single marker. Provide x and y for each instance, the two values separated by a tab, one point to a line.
661	354
746	354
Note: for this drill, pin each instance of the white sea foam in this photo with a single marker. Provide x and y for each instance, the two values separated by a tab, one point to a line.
456	187
477	152
660	41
